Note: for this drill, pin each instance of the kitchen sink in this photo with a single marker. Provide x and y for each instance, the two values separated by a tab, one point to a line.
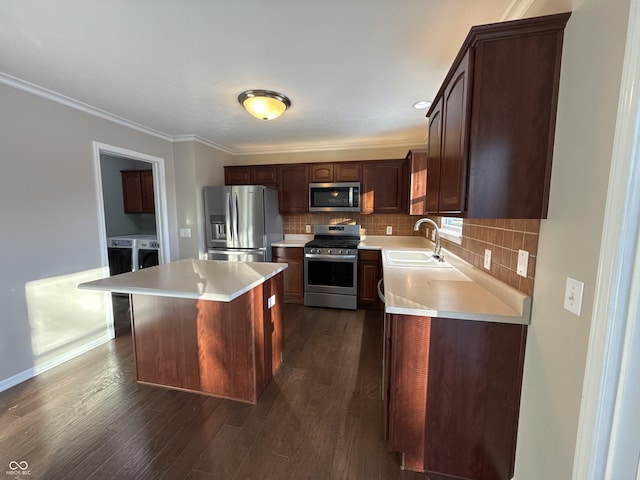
413	258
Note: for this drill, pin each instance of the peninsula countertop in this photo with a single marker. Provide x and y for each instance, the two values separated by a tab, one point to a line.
199	279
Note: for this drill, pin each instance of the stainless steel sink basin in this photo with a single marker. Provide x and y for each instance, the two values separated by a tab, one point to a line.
413	258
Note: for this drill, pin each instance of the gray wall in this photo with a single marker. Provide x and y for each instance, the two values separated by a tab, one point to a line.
117	221
570	239
200	165
49	214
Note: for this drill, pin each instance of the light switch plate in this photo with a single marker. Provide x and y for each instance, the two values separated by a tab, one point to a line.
389	229
487	259
523	263
573	296
185	232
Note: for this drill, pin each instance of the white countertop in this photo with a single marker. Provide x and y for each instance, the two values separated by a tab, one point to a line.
460	291
200	279
293	240
463	291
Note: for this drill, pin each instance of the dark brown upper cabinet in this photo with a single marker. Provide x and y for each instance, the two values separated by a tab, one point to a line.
383	188
293	188
237	175
334	172
492	124
251	175
137	191
264	175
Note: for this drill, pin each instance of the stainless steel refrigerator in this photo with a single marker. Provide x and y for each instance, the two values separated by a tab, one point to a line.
241	222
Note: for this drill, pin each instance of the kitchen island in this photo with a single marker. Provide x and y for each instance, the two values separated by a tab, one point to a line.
205	326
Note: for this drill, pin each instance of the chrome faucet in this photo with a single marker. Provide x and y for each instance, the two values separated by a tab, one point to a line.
436	253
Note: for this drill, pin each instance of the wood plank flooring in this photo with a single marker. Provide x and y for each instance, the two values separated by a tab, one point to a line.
320	418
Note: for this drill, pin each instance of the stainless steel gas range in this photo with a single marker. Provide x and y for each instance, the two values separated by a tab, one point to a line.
331	267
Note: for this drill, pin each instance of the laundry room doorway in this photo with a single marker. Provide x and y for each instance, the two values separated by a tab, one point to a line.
132	217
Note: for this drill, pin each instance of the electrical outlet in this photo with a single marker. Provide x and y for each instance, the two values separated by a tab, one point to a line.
487	259
307	229
185	232
573	296
389	230
271	301
433	235
523	263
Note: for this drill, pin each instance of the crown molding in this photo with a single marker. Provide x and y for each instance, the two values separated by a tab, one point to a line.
77	105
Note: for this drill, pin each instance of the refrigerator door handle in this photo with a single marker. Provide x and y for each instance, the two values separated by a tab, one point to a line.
235	215
227	217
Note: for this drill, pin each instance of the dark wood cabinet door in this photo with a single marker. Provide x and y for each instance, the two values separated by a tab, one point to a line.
146	187
131	192
264	175
137	191
453	165
293	188
433	159
417	165
237	175
383	186
347	171
321	172
473	398
294	274
369	272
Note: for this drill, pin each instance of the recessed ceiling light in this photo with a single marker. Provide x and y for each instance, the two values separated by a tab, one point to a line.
422	104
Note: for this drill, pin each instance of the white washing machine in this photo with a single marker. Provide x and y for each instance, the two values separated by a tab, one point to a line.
147	251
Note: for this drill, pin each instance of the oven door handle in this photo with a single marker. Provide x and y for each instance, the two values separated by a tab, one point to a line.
319	256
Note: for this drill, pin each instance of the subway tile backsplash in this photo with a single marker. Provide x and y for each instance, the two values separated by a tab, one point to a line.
503	237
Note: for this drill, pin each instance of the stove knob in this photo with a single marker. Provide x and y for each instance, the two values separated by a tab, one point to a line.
329	252
340	252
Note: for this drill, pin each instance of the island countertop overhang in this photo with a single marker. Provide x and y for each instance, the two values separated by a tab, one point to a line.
189	278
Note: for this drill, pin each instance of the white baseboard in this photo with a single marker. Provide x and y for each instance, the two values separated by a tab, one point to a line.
54	362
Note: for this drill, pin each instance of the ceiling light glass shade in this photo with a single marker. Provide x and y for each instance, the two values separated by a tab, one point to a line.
264	104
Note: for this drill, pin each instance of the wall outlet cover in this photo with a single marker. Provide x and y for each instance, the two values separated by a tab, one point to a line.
307	229
523	263
487	259
271	301
389	230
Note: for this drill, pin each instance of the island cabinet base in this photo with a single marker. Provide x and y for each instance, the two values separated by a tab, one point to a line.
225	349
452	395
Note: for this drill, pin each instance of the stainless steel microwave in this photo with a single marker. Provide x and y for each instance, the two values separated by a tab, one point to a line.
334	197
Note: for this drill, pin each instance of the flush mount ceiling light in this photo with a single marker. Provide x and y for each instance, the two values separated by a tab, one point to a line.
264	104
421	104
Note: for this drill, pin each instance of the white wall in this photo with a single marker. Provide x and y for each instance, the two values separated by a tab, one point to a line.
569	243
49	218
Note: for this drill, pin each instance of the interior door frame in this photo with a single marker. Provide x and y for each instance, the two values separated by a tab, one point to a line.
608	446
159	197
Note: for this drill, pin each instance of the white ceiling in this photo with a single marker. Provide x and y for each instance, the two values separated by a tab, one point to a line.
352	68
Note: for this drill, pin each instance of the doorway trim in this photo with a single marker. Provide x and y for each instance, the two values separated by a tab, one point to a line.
159	197
608	446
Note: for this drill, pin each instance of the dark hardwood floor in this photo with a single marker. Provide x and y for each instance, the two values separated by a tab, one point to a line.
320	418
